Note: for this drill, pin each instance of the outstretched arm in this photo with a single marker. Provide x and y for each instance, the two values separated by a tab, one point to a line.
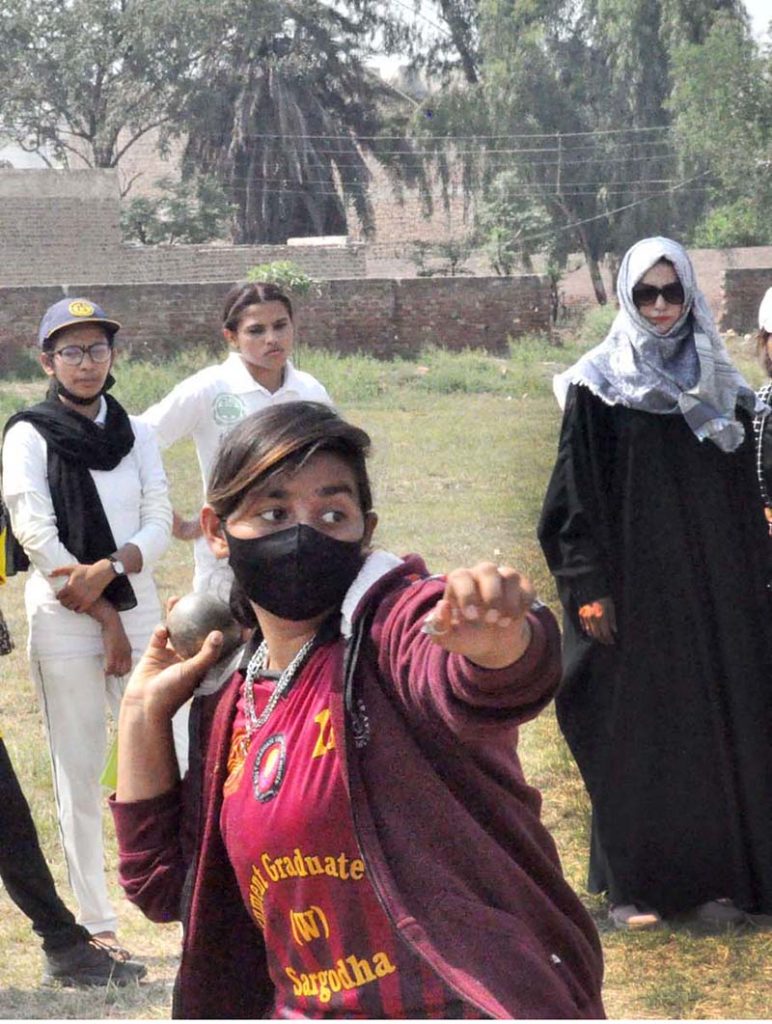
473	650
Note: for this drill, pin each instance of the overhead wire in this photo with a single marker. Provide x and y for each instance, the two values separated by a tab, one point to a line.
474	137
607	213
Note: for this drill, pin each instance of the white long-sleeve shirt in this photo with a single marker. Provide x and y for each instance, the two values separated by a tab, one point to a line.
205	407
135	499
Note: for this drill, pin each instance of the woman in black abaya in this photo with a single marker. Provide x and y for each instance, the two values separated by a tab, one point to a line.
652	527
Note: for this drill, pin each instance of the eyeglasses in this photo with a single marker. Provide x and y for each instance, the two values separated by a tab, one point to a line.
647	294
73	355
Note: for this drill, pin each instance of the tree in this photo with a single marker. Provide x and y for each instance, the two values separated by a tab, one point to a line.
456	48
507	219
284	116
192	211
86	79
571	105
722	105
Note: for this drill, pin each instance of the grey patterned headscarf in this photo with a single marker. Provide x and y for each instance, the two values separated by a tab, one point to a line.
685	370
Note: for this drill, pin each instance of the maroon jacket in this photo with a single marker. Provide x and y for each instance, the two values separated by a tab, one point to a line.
448	828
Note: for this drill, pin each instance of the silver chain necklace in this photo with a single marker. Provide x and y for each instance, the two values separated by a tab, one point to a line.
255	667
759	423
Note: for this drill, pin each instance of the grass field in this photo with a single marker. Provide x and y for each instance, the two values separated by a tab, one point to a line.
463	446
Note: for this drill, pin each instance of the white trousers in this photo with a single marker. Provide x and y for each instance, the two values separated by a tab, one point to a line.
180	726
74	696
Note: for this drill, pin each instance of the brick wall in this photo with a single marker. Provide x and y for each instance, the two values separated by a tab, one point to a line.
57	227
380	317
228	263
743	290
399	214
710	268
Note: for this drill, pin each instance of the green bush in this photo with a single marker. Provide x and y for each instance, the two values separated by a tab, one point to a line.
284	273
191	212
142	382
595	325
19	362
742	222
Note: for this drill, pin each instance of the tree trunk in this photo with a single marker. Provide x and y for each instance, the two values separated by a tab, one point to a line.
613	261
595	275
594	268
597	281
460	34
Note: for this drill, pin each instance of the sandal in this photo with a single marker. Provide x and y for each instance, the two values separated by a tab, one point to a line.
629	917
715	915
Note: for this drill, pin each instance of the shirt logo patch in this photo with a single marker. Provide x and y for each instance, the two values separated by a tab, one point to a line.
80	308
228	409
270	764
236	758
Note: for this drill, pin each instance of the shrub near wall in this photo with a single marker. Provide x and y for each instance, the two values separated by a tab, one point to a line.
380	317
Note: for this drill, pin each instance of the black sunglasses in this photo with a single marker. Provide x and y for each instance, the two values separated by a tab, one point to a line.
647	294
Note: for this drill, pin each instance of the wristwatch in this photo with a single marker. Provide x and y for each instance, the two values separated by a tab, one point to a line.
117	565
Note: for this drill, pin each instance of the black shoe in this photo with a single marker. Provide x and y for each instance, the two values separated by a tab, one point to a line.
90	964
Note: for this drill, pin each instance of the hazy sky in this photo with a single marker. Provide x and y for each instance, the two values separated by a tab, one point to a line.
761	13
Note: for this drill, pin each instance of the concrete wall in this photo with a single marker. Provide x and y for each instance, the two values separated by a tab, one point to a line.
380	317
743	291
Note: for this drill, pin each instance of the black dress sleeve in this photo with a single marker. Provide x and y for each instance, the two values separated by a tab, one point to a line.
572	529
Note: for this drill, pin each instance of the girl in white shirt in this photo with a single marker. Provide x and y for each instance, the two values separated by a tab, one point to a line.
259	328
88	501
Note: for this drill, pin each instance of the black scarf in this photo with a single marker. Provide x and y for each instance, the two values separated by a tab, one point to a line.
75	445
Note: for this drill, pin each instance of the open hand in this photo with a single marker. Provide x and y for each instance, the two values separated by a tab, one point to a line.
162	681
482	615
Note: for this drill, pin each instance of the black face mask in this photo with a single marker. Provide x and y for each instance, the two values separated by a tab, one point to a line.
57	389
296	573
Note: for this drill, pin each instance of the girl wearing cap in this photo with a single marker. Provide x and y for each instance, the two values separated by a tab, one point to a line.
651	527
258	326
88	503
355	837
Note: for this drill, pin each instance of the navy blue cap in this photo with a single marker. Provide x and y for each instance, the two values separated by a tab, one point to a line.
66	312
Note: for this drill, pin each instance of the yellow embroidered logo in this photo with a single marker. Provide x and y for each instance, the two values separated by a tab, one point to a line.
325	741
307	925
236	758
80	308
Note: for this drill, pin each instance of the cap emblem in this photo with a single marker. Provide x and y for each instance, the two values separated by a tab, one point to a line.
80	308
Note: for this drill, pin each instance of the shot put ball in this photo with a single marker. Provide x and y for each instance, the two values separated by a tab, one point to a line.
194	617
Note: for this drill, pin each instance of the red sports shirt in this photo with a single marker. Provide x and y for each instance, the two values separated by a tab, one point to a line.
288	829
